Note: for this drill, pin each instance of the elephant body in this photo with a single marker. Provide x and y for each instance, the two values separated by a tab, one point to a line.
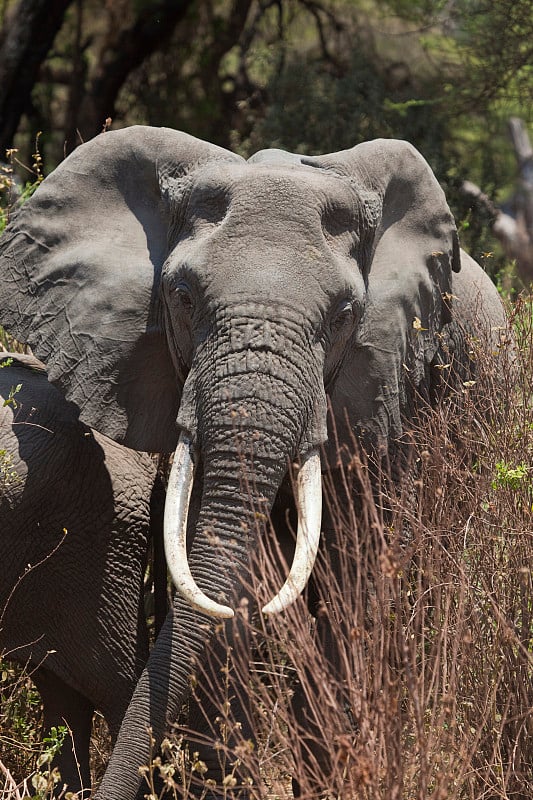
75	529
277	309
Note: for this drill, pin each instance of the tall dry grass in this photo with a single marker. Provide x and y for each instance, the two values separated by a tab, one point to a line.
415	680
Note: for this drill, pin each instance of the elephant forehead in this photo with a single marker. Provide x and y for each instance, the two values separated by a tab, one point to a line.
269	226
274	219
282	194
229	260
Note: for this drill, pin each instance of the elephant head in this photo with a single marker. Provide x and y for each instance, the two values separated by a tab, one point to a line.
162	278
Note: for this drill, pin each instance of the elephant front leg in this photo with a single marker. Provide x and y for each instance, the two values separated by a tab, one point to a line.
64	706
322	719
314	748
219	718
316	658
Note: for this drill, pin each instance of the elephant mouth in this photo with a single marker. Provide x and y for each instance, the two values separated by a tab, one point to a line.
308	503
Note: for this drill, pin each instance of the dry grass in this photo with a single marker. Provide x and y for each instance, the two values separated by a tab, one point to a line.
10	345
424	688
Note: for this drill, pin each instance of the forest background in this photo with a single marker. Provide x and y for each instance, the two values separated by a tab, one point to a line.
306	75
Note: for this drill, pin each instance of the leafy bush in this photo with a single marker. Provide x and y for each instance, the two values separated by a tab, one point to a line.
27	754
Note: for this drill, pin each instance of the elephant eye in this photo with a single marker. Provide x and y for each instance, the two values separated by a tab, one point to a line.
184	297
344	316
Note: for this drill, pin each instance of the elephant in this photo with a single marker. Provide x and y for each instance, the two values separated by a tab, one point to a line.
237	312
78	513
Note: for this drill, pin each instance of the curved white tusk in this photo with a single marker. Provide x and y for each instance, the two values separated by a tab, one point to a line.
309	504
175	532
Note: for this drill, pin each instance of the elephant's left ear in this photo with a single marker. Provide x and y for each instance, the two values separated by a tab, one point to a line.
409	271
416	231
80	268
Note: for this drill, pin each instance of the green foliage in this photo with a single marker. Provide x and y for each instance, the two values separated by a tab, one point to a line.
47	777
23	748
17	711
10	399
6	190
313	111
8	474
20	718
509	476
12	193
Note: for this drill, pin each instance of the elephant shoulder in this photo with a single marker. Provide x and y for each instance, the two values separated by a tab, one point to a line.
476	302
24	385
478	339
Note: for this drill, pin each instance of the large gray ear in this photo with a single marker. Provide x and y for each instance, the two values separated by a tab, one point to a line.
414	253
80	268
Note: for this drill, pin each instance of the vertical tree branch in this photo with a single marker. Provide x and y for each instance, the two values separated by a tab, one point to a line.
153	26
28	34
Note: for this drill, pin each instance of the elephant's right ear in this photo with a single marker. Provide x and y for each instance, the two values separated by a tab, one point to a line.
413	252
80	268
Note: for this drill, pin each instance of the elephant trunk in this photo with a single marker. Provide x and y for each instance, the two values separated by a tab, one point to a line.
245	428
253	399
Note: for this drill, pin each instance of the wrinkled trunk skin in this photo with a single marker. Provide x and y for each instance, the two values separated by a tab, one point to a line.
249	424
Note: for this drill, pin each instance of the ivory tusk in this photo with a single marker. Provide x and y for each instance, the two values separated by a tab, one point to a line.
309	504
175	532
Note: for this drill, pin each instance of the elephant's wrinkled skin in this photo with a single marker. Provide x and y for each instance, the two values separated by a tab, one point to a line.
163	278
76	507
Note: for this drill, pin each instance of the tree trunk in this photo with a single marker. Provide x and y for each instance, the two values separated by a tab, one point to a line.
29	32
153	26
513	223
